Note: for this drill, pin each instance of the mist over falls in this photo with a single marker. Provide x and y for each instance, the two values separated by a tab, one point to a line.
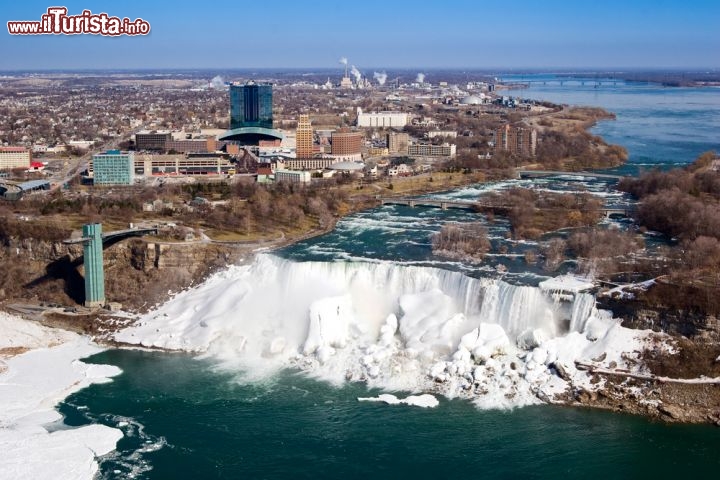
394	326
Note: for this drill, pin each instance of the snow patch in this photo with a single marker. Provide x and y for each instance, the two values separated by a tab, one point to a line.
30	387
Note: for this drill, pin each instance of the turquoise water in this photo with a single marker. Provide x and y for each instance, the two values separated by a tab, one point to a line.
215	425
185	417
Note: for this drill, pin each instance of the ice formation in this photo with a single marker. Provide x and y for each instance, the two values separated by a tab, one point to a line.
31	384
399	328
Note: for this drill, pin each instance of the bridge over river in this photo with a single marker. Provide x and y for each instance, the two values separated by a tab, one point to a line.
479	206
568	175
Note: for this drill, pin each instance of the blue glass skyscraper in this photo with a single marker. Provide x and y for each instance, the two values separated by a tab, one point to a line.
251	105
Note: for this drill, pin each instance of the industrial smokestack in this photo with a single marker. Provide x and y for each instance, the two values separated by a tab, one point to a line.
344	61
380	77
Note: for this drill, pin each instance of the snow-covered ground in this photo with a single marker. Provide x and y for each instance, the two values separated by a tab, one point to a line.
31	385
398	328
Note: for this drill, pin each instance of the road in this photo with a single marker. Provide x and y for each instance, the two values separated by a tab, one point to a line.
81	163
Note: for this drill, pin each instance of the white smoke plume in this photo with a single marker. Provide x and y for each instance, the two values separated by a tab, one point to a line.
343	60
356	73
217	83
420	78
381	77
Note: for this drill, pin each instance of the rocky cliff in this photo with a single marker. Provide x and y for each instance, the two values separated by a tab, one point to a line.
138	273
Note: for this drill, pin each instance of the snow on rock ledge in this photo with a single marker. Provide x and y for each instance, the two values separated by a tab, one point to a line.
566	284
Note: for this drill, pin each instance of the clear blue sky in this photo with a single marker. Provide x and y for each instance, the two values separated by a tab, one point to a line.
379	33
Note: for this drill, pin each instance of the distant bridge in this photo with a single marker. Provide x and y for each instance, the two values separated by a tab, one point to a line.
560	82
478	206
425	202
555	173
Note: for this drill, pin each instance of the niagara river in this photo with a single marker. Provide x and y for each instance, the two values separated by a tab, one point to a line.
449	359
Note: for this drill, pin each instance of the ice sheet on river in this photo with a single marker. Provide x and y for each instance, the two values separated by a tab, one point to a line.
31	384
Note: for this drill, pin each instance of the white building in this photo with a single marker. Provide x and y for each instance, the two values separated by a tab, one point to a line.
382	119
292	176
399	170
14	157
442	133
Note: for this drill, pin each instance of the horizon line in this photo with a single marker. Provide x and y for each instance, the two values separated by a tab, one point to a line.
549	69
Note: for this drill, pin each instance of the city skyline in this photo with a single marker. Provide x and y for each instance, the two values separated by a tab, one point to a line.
457	34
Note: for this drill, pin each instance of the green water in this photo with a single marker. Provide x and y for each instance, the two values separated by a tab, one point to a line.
217	425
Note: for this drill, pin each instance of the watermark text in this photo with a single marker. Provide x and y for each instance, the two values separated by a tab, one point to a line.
57	22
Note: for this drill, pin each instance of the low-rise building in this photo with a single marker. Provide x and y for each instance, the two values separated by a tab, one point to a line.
442	133
399	170
184	165
429	150
194	145
378	151
15	157
292	176
382	119
152	140
309	163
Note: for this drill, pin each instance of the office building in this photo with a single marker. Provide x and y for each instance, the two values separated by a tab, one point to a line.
304	138
15	157
516	140
113	168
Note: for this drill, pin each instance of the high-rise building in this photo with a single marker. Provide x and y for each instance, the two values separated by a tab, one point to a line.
15	157
113	168
516	140
304	138
346	144
251	105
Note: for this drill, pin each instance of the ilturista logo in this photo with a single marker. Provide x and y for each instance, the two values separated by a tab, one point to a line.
56	21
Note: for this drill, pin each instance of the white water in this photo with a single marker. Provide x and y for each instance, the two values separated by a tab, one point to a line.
396	327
